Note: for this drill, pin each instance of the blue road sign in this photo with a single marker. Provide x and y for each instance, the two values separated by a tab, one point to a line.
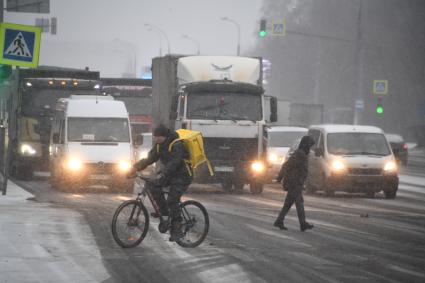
20	45
380	87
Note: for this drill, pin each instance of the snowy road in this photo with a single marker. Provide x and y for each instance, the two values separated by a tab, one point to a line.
355	238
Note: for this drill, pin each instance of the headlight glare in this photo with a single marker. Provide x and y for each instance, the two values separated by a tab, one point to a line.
390	166
27	149
143	154
338	166
273	157
74	164
124	166
257	166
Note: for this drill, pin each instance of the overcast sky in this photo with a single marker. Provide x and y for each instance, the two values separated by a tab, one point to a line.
87	29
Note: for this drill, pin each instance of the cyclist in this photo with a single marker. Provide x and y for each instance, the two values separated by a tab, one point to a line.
174	173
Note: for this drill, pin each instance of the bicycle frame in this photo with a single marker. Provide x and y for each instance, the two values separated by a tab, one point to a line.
146	191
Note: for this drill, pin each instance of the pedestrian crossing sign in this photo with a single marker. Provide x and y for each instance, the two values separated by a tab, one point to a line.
279	28
380	87
20	45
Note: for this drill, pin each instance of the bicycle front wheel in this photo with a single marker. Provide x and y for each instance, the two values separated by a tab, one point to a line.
195	224
130	224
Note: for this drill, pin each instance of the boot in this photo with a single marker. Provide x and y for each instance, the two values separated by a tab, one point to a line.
280	225
306	226
176	232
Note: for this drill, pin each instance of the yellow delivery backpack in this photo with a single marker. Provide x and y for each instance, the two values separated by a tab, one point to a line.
195	146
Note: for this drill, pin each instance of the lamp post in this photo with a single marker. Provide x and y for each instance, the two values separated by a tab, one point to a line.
160	40
193	40
239	32
161	32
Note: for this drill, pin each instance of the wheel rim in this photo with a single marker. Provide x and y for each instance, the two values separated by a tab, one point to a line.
130	229
195	225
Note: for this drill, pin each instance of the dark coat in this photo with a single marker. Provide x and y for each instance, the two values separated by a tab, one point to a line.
295	170
174	170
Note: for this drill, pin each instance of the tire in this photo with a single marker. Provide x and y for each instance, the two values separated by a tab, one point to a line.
196	224
256	188
238	187
130	211
390	194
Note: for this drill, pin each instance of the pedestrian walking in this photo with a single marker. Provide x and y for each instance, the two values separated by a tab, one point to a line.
293	174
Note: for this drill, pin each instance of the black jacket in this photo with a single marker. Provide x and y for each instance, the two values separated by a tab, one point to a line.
174	169
294	171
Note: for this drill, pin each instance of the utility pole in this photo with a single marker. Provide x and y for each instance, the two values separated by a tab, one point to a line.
359	64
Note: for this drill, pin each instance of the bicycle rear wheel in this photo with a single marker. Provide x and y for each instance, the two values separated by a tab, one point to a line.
130	224
195	224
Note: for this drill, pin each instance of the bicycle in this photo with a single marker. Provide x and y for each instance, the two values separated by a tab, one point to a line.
130	222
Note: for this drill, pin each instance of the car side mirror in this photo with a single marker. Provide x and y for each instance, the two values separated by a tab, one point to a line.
138	140
55	138
318	152
273	109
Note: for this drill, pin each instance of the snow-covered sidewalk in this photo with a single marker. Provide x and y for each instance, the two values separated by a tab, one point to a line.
43	243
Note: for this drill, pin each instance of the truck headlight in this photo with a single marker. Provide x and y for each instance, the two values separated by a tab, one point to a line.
390	167
338	166
257	166
74	164
273	158
27	149
124	166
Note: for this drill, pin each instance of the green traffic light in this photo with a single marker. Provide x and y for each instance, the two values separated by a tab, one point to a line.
379	109
262	33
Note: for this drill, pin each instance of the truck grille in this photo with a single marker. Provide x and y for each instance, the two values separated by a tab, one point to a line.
365	171
100	168
230	149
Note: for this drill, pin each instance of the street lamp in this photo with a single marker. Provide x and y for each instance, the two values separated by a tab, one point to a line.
160	40
239	32
193	40
162	32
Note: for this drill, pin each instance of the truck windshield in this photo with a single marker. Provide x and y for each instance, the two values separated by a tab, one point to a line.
357	144
98	130
224	106
283	139
39	102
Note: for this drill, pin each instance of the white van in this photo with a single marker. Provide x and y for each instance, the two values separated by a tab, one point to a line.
91	144
353	159
279	140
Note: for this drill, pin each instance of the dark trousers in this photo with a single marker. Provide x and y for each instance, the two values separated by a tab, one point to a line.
293	196
171	203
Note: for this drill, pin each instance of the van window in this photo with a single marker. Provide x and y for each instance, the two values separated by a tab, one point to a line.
358	144
98	129
283	139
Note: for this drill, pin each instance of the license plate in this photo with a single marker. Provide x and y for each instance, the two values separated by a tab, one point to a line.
100	177
223	169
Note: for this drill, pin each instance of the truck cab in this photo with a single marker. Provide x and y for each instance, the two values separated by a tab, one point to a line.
222	97
90	144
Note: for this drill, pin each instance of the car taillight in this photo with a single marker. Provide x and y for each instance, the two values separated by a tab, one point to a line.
405	146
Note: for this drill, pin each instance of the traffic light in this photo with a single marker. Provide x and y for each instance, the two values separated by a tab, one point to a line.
263	30
379	107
